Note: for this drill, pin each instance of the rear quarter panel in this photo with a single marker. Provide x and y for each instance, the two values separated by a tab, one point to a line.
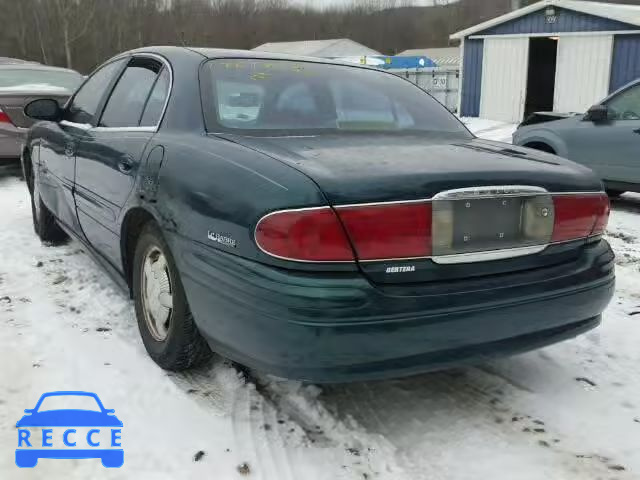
210	185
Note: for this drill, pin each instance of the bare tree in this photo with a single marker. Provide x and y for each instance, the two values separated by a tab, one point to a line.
74	19
83	33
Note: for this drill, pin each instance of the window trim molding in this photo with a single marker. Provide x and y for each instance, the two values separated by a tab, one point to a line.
125	129
80	126
101	102
151	129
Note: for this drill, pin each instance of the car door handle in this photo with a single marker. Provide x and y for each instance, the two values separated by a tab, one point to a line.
637	131
125	165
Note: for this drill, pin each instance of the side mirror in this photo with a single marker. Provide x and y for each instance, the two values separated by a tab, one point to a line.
598	114
44	109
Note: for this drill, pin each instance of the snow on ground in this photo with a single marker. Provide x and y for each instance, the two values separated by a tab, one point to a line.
490	129
570	411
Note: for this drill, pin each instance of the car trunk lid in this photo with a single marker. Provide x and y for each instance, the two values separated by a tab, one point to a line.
440	201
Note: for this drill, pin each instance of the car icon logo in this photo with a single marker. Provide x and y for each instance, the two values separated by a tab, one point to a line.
69	433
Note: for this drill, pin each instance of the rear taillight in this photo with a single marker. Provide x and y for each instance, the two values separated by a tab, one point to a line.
438	229
579	216
4	118
376	232
306	235
390	231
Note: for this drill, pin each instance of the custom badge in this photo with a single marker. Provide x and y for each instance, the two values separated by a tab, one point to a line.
406	269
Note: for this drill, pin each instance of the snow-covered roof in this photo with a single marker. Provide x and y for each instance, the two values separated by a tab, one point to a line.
15	61
443	57
338	47
622	13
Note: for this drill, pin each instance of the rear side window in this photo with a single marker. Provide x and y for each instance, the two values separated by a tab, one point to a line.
157	100
282	97
85	104
129	97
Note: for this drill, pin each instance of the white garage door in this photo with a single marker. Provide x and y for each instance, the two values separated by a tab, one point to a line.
583	72
504	78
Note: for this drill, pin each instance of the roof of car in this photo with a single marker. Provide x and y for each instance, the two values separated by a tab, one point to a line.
214	53
10	60
34	66
328	48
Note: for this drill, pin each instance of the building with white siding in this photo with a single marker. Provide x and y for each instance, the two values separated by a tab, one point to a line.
554	55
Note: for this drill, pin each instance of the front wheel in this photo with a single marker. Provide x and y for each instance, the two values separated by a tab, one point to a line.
44	223
166	325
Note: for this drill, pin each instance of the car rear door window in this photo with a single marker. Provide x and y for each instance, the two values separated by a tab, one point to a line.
86	102
626	105
155	104
129	97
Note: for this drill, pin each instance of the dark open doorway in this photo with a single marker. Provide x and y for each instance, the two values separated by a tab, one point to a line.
543	54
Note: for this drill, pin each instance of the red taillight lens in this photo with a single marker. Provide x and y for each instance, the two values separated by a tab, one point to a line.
604	210
4	118
579	216
389	231
308	235
422	229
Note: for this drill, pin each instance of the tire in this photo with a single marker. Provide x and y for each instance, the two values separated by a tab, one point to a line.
543	147
45	224
166	326
614	193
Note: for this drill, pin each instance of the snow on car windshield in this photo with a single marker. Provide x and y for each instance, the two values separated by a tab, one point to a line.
39	79
272	95
69	402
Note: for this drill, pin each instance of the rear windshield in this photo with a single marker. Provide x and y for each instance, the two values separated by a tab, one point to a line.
39	79
286	97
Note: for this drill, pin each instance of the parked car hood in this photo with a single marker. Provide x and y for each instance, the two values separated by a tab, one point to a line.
355	168
545	117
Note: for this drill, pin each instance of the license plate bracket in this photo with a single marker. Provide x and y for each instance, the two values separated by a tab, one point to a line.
486	224
491	223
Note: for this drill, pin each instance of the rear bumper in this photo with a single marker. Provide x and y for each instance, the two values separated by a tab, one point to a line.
339	327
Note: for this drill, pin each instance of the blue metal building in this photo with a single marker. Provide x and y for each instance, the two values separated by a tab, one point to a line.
554	55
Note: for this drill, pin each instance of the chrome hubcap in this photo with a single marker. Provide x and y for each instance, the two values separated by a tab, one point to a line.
157	293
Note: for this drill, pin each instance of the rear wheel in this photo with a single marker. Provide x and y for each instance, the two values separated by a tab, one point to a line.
166	324
44	223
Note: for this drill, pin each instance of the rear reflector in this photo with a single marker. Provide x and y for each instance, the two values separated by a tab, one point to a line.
307	235
389	231
4	118
579	216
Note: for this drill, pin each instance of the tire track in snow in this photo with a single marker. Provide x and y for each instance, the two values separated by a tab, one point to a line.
450	411
362	454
